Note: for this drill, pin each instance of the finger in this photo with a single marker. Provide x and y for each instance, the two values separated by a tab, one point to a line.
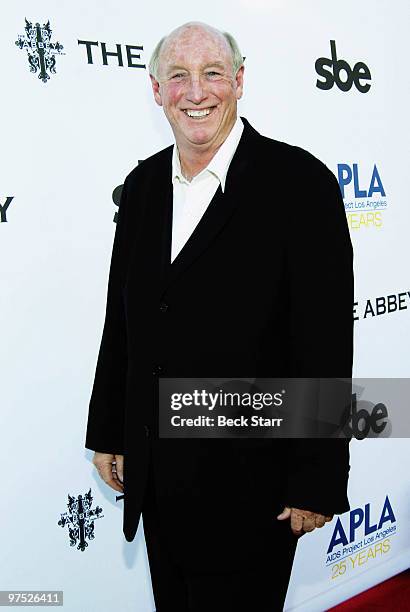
115	475
105	471
284	514
309	524
114	483
296	522
119	460
328	518
320	520
109	477
100	458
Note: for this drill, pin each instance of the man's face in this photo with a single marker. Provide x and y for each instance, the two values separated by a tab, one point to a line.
195	74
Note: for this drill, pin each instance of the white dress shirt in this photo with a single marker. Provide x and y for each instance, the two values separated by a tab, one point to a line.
191	199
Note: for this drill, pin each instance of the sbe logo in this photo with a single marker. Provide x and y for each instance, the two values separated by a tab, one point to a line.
331	69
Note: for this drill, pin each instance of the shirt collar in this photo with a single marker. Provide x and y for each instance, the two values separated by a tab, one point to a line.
219	164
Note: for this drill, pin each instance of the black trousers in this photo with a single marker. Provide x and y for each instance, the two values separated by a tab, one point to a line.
252	590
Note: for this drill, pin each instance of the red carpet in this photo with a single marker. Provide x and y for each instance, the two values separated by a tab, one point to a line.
392	594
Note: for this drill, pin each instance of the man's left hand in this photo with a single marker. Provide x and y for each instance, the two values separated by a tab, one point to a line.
302	521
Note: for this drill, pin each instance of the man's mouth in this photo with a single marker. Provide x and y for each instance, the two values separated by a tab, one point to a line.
198	113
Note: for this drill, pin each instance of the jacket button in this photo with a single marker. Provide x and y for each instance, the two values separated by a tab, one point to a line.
163	307
146	430
157	370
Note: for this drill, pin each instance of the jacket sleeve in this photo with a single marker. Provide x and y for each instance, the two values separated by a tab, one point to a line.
105	427
320	294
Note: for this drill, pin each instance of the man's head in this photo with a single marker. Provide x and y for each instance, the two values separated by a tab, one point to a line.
198	68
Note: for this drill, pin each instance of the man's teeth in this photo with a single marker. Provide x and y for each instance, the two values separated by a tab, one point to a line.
198	113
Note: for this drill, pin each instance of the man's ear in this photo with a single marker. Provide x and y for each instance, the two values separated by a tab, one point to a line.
239	82
156	89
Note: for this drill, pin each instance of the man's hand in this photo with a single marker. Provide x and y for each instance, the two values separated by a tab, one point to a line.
302	521
111	469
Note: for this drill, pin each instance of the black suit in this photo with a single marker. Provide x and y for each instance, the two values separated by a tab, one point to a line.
263	287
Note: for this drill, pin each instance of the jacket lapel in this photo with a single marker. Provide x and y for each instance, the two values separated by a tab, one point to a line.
165	234
215	217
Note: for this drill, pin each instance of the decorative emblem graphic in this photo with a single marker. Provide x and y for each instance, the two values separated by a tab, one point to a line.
80	520
40	50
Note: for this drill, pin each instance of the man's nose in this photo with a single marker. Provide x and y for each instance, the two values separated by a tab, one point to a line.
196	90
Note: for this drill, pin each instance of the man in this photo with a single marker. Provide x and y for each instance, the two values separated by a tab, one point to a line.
231	258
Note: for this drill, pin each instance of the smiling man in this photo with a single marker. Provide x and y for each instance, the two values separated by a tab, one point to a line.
249	285
198	81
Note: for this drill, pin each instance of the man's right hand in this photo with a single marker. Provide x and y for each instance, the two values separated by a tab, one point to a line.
111	469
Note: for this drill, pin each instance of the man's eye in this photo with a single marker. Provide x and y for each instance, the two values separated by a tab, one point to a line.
213	74
178	75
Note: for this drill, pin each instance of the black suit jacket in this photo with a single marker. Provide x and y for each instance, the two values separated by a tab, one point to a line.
263	287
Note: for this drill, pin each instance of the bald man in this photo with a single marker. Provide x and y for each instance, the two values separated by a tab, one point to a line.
210	225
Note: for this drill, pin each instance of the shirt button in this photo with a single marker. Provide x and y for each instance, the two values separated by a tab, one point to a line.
163	307
146	431
157	370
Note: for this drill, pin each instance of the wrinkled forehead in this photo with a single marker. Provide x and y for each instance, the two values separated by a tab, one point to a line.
195	48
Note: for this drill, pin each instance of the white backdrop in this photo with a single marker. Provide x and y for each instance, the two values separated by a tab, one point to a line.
65	145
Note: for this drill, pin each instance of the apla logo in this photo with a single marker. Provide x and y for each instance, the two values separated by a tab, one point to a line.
40	50
364	195
80	519
359	518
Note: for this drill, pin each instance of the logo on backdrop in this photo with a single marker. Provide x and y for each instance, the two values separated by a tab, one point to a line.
41	51
80	519
363	194
333	69
359	537
381	305
116	196
126	54
366	420
4	206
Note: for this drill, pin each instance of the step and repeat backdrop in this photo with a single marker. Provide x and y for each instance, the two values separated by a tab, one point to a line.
77	114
